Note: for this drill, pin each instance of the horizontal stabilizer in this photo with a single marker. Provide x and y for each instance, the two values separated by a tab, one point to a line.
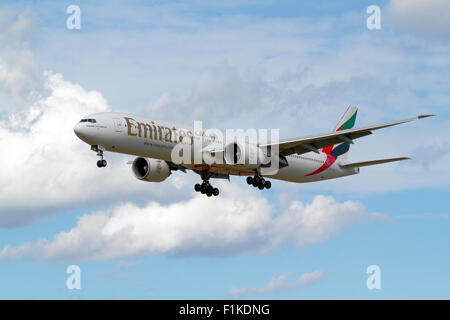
370	163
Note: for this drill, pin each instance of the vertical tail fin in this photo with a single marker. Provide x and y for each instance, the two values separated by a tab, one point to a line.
347	122
348	119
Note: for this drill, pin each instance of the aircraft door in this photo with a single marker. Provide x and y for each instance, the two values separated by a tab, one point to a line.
118	125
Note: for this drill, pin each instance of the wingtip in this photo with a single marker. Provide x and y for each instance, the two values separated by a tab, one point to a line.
425	116
401	158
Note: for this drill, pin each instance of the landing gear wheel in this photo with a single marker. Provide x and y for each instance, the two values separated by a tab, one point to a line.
262	181
216	192
203	188
99	163
259	182
197	187
104	163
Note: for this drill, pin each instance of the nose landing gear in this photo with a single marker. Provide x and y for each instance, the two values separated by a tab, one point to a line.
259	182
99	149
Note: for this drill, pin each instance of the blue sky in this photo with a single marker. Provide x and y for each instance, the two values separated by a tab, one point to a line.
293	65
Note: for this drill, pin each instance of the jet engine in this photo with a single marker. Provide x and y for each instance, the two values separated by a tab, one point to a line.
152	170
248	155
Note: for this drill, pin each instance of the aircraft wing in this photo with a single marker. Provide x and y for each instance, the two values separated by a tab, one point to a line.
317	142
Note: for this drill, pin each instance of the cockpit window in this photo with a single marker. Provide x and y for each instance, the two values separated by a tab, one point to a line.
88	120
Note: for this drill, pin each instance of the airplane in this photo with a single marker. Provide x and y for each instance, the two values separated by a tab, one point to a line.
305	159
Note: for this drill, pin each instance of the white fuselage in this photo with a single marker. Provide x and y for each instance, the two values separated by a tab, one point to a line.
128	134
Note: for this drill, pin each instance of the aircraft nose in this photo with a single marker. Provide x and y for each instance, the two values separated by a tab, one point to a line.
78	130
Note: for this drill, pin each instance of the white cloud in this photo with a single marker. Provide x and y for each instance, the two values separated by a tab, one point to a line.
19	69
287	77
280	283
47	168
430	18
236	223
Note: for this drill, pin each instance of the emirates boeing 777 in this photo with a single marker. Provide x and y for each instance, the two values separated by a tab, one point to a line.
154	143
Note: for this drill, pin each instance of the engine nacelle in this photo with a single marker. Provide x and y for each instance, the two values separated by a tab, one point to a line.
247	155
152	170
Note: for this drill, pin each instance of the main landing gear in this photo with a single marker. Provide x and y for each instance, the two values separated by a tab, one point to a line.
206	187
100	163
259	182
